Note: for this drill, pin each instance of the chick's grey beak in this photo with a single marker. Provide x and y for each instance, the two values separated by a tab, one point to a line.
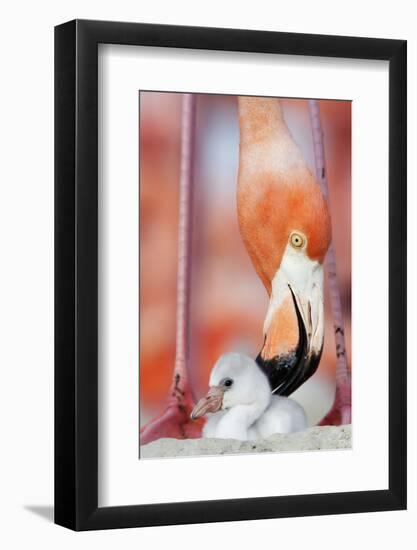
210	403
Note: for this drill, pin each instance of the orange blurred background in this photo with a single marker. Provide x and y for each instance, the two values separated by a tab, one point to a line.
228	301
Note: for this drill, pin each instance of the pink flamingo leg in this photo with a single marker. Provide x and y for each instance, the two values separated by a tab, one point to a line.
340	413
175	420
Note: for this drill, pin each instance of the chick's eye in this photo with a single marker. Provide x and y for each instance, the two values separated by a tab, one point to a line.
297	240
228	382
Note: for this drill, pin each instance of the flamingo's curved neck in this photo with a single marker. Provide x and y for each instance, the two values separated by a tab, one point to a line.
265	141
261	120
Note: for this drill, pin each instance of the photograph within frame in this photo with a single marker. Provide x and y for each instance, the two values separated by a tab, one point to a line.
198	289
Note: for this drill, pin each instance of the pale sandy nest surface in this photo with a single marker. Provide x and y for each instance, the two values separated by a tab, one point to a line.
313	439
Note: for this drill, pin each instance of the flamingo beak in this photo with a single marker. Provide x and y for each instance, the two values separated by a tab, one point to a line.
288	371
210	403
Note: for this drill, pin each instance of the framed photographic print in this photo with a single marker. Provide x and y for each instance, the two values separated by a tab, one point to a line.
230	252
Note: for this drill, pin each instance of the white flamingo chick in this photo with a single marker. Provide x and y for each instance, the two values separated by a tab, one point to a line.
241	404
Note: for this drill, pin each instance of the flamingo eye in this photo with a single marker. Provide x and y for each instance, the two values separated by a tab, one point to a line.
297	240
227	382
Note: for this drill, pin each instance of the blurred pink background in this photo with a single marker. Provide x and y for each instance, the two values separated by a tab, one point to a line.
228	301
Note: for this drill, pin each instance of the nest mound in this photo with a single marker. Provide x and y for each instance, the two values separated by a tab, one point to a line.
313	439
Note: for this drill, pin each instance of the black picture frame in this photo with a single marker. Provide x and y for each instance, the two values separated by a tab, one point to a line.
76	272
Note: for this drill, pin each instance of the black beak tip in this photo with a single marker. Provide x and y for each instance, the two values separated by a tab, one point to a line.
287	372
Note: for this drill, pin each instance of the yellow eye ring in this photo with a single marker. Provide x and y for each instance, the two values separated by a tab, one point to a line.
297	240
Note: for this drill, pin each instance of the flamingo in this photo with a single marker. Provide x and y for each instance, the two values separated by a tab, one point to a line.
240	403
285	225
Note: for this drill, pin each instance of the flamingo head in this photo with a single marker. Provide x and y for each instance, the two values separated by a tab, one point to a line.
234	380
